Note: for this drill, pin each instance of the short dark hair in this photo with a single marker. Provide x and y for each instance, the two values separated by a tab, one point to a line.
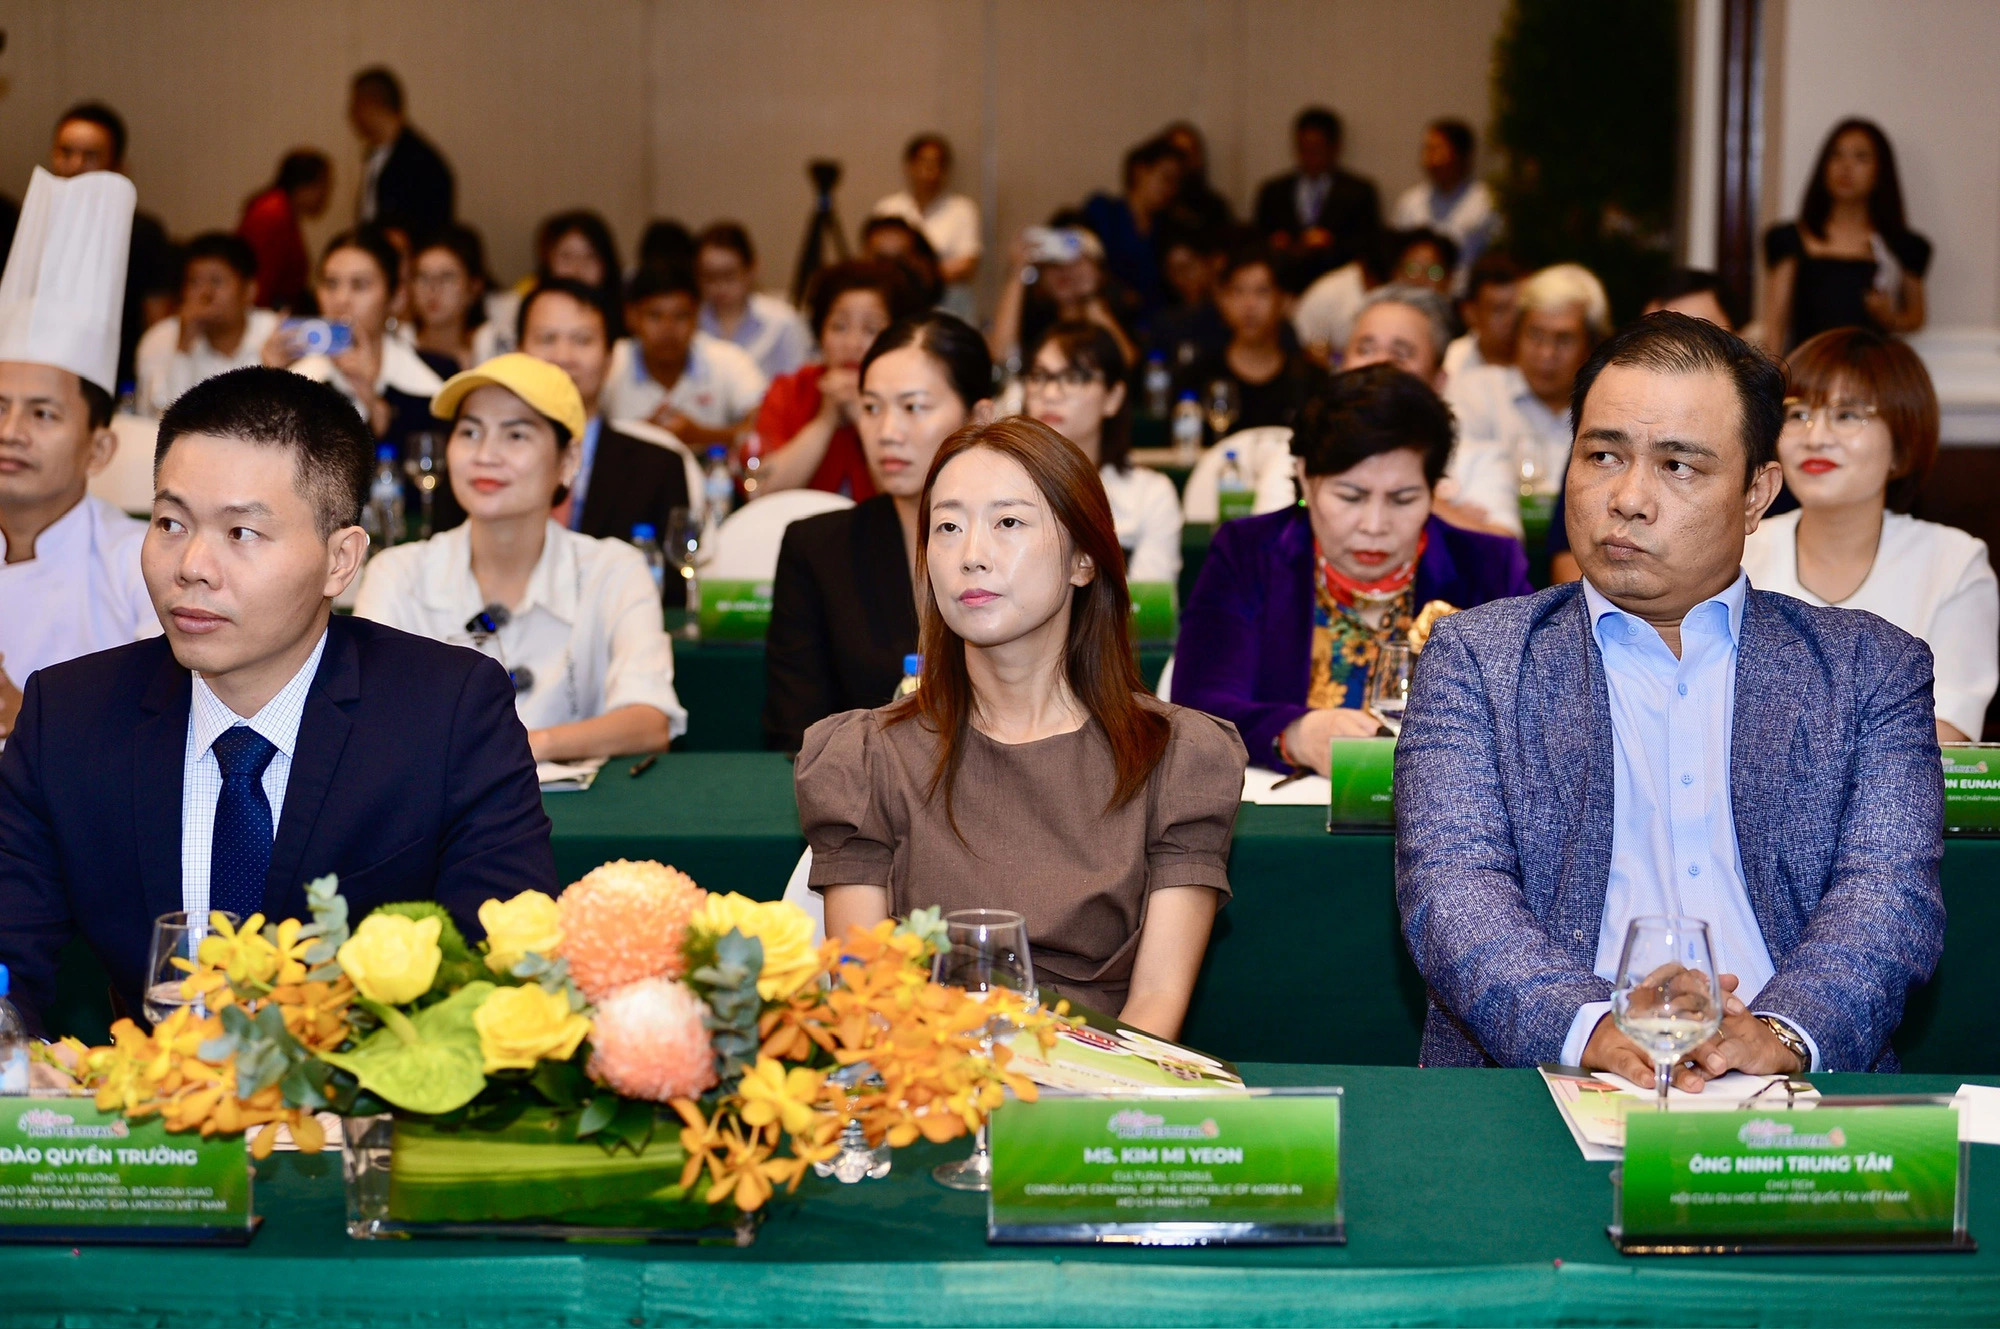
892	283
921	267
1150	153
1679	283
379	84
1090	346
596	233
1457	133
277	408
588	296
223	247
1673	343
1349	417
928	139
1495	267
665	241
106	119
1248	254
373	241
662	279
727	235
954	345
1384	258
302	167
1320	119
97	404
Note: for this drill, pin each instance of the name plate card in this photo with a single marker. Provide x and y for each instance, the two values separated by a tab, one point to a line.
1155	611
734	610
1363	775
1972	789
1846	1174
1168	1168
74	1175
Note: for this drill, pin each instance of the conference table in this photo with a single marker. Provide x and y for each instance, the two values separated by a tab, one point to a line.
1465	1201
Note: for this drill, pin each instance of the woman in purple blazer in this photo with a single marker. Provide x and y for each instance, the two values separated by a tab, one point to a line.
1292	607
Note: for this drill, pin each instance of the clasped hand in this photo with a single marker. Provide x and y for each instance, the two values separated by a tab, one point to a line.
1744	1043
1309	739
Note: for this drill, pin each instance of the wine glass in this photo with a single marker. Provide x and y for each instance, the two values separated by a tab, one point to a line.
1668	999
1389	684
175	936
988	952
423	462
683	551
1222	407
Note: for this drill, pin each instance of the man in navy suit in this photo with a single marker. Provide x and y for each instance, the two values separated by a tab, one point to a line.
1660	738
262	742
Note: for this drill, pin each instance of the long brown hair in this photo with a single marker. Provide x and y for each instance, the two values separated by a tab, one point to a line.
1098	664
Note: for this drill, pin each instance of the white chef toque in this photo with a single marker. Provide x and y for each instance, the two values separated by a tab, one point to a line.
64	289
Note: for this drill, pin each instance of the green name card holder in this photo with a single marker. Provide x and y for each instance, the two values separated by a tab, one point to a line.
1972	789
1168	1167
1363	774
735	610
1155	611
1837	1174
72	1175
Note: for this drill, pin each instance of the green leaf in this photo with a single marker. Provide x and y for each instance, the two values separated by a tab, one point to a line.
597	1115
562	1083
440	1072
632	1126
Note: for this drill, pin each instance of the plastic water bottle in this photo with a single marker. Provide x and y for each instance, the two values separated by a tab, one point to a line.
913	674
13	1043
1233	495
384	518
718	489
1187	429
1159	386
646	539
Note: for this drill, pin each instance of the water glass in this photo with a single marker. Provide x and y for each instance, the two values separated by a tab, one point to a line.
175	936
423	462
683	551
1222	407
1389	684
989	953
1668	999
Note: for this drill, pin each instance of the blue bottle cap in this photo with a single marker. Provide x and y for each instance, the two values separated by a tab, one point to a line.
717	450
385	452
644	531
6	981
1187	394
913	664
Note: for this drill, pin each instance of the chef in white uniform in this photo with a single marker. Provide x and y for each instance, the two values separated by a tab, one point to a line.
69	563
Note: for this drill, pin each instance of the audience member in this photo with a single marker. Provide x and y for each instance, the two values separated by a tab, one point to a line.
1695	292
619	482
665	243
389	381
573	619
69	563
448	297
1860	433
405	183
1031	709
949	222
843	604
219	327
1076	385
1268	380
1850	260
1125	225
264	741
578	246
1292	608
805	428
1513	420
91	137
1324	315
1317	216
733	309
701	389
1451	200
1055	274
1197	199
893	240
1402	325
1491	312
273	224
1566	762
1189	326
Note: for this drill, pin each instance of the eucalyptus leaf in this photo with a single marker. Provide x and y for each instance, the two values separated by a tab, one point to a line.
441	1071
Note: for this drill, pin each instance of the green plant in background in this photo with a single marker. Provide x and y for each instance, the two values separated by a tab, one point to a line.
1586	113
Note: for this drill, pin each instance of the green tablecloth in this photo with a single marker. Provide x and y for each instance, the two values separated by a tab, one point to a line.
1466	1202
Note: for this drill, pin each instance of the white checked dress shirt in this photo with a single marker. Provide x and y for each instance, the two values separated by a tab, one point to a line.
201	774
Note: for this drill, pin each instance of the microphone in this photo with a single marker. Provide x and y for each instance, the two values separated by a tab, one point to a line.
488	620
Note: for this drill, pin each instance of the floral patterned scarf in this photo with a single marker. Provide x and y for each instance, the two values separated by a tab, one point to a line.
1344	646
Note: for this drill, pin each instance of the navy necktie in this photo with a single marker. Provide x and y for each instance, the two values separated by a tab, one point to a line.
240	850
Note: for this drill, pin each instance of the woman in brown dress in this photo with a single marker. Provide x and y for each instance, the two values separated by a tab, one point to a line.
1031	771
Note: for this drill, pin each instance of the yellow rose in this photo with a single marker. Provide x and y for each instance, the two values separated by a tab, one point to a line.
528	922
521	1026
392	959
791	960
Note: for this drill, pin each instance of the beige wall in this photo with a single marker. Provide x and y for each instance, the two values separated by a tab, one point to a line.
699	111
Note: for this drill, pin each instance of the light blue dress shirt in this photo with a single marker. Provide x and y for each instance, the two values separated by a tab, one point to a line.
587	456
1673	836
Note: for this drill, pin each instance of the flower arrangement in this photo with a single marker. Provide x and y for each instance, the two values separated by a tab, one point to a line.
636	1001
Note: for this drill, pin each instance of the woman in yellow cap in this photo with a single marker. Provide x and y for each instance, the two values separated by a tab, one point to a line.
575	620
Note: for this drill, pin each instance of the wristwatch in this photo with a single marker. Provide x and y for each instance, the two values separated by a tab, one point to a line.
1789	1036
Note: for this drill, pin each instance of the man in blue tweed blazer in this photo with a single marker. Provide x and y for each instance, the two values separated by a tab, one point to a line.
1660	738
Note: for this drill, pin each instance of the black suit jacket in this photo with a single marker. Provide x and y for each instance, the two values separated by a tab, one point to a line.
842	619
633	481
411	778
1351	211
415	188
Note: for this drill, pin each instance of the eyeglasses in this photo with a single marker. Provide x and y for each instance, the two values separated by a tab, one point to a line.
1041	380
1844	420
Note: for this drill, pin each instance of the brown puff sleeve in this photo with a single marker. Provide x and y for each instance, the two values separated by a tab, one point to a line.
1195	793
838	780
